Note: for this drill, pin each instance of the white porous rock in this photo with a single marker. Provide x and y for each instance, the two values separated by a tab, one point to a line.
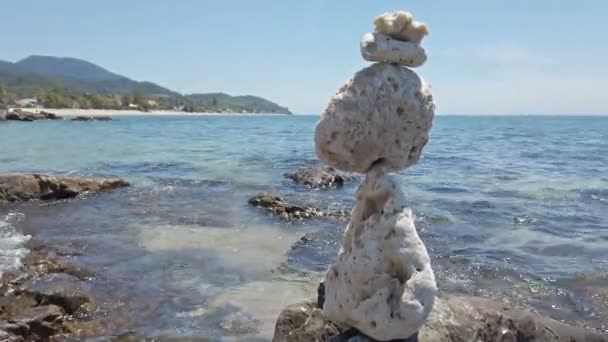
402	26
378	47
381	281
384	113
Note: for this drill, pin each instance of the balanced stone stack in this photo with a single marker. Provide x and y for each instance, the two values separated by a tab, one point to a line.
381	282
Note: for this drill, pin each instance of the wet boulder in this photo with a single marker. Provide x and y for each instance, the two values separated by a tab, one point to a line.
25	187
278	206
454	318
320	177
58	289
33	324
21	115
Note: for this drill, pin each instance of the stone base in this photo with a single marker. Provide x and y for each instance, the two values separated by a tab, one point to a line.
454	319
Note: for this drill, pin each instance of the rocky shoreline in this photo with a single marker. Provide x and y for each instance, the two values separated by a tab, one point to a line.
21	115
49	298
28	116
27	187
454	318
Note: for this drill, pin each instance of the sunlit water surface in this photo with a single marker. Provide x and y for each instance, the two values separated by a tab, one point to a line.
508	206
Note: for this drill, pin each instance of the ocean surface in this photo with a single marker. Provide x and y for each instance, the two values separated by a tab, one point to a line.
509	207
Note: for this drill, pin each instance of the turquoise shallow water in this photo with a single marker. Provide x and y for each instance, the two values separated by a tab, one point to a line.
508	206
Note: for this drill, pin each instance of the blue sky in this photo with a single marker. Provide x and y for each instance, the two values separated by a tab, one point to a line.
485	57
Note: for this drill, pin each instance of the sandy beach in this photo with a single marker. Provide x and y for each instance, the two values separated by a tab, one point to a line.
115	112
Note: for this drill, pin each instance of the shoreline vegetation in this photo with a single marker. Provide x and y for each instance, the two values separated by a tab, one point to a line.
57	83
75	112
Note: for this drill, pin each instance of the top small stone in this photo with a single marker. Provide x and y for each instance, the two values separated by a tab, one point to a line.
401	25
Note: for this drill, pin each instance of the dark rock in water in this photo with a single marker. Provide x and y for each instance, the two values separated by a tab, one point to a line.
58	289
319	177
48	313
49	116
34	324
288	211
304	322
20	115
92	118
82	118
27	187
36	301
453	319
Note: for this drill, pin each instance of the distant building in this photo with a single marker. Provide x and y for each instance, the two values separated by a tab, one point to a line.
152	103
133	106
31	102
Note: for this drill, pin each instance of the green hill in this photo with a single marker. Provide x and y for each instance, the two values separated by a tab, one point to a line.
66	68
238	103
72	78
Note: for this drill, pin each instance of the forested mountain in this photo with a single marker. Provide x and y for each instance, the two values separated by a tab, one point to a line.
61	81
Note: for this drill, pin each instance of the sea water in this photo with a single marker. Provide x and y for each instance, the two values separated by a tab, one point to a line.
509	207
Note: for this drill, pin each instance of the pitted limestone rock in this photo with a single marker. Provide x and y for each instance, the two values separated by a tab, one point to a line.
402	26
381	282
378	47
384	113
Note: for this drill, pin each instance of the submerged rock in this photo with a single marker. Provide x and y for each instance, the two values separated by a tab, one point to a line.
92	118
58	289
453	319
20	115
320	177
287	211
384	113
25	187
38	301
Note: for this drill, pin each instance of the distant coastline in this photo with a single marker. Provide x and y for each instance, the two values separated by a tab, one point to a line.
72	112
54	82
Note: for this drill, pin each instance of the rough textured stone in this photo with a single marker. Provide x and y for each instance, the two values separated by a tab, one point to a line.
27	187
59	289
288	211
453	319
381	281
378	47
36	302
20	115
49	313
302	323
384	113
402	26
319	177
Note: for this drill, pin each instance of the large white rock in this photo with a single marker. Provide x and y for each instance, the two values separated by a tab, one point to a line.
378	47
381	281
384	113
402	26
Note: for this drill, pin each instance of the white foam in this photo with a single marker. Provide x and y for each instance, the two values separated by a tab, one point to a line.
12	243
